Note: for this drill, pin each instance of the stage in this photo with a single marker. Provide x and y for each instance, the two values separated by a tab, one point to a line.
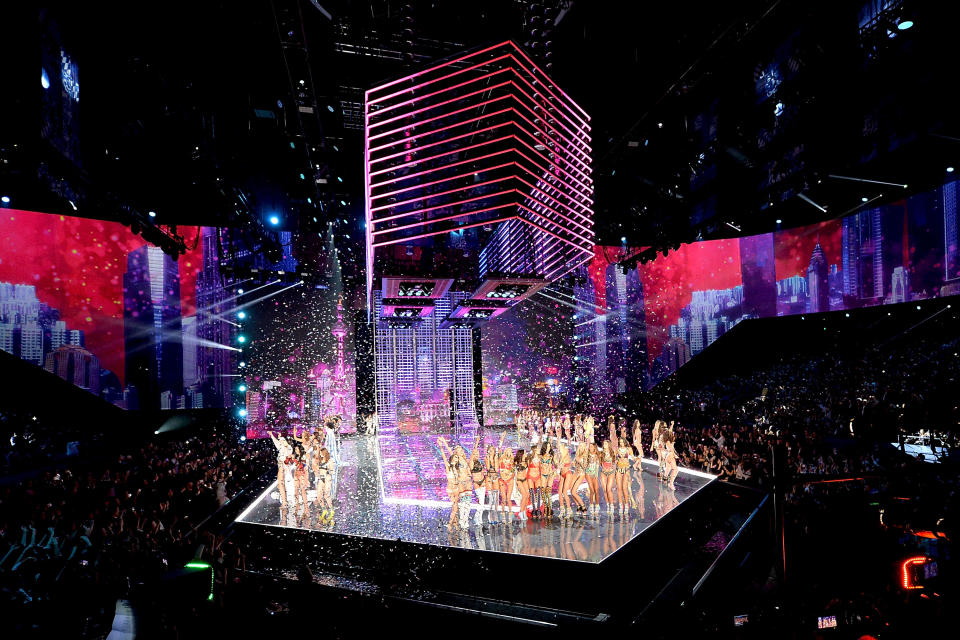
389	539
392	487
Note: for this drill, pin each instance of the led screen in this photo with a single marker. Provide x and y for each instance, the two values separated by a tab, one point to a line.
91	302
632	328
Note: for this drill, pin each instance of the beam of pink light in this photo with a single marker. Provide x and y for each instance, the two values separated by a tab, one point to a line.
433	94
439	194
551	233
583	167
447	63
474	186
533	100
582	262
586	188
550	82
462	214
447	76
408	114
436	233
419	123
421	185
412	163
559	112
586	218
570	147
468	134
368	257
583	156
438	169
581	137
545	78
557	213
473	212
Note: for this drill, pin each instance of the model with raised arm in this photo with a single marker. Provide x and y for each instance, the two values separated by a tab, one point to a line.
458	477
479	476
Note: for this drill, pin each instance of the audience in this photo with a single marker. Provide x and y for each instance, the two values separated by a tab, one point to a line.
96	530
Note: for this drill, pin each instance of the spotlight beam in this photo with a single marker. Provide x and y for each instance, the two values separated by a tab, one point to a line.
867	180
578	307
269	295
807	199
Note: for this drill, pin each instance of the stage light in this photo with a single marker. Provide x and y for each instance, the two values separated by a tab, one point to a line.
863	199
779	221
152	214
243	438
44	78
623	239
242	315
242	413
5	199
847	315
339	179
918	307
903	25
274	220
241	339
949	169
240	291
906	572
242	364
242	388
343	203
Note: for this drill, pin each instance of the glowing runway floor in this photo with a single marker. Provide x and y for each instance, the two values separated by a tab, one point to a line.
392	486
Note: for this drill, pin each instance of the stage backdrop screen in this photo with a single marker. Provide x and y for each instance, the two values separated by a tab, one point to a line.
91	302
633	328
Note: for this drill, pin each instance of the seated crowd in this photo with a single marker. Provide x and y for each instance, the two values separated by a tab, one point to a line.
77	537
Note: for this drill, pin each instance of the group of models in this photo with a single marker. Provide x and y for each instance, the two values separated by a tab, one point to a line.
308	454
563	453
562	460
534	423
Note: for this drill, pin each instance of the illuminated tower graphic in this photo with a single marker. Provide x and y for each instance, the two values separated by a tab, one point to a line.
478	192
151	325
817	286
213	368
951	239
339	391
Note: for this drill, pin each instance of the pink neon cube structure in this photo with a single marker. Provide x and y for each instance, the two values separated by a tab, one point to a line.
485	138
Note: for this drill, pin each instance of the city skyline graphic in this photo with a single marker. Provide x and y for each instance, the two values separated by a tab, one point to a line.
633	328
96	305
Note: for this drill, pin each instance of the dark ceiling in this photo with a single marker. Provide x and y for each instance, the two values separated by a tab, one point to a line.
709	119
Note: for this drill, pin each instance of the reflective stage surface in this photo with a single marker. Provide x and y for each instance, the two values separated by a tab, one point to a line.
392	486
